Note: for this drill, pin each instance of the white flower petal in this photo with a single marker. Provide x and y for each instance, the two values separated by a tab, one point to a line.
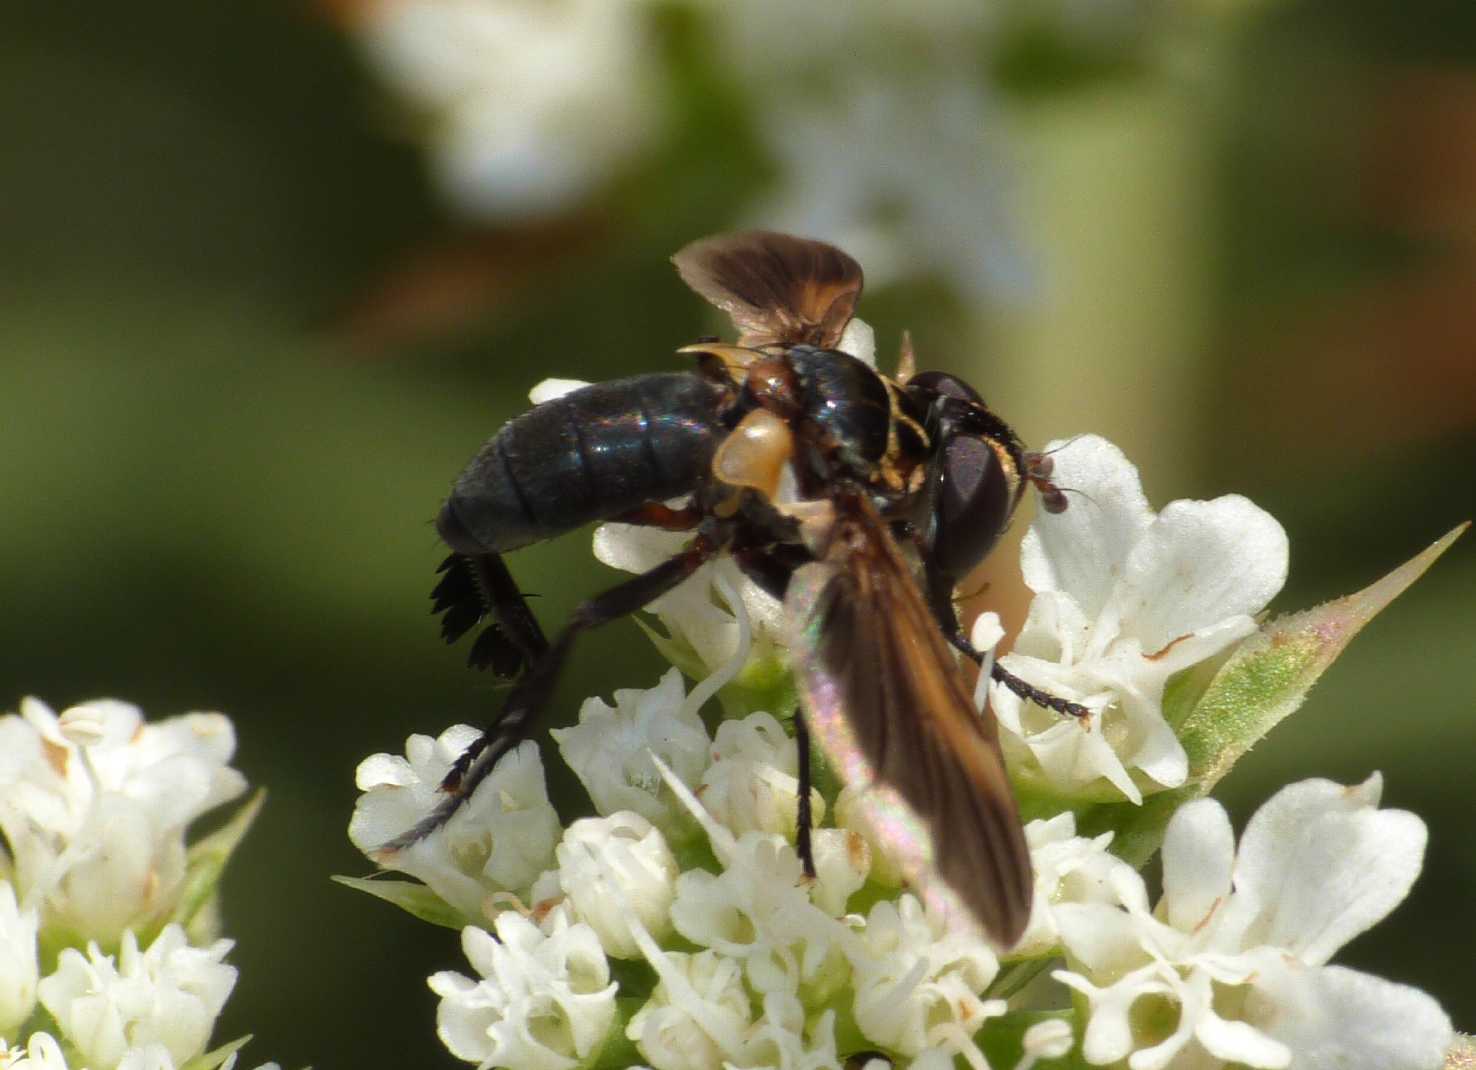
842	863
752	783
697	1015
616	868
19	970
610	750
782	1038
499	841
41	1052
1193	996
1240	1042
1198	563
552	389
1325	866
1108	1037
859	340
1198	855
1335	1018
758	912
1082	550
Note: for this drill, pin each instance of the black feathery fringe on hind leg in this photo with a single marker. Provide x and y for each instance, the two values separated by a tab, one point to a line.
530	695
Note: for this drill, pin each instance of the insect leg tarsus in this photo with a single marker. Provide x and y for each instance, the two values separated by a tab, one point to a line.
940	598
804	820
1031	693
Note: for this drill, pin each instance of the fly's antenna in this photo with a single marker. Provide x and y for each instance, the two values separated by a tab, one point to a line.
1039	466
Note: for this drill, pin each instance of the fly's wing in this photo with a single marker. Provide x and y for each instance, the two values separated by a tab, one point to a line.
776	287
889	705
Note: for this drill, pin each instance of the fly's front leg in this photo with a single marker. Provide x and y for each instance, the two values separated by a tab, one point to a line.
531	693
940	599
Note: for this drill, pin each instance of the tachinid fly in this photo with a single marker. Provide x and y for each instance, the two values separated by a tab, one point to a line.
857	498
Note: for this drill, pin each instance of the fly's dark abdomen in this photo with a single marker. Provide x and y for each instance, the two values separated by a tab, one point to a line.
846	397
592	454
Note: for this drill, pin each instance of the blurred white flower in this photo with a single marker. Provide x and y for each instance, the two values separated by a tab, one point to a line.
1234	958
785	1038
612	869
842	864
918	985
758	910
18	966
544	1000
1068	869
531	105
610	750
552	389
40	1052
697	1016
752	783
898	161
169	995
1050	1039
499	841
1124	599
94	805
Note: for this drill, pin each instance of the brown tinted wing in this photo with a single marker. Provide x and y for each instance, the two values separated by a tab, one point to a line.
776	287
878	677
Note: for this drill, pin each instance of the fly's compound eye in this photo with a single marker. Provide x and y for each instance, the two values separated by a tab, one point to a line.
976	495
944	385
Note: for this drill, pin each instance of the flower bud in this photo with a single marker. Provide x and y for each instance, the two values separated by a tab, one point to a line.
613	868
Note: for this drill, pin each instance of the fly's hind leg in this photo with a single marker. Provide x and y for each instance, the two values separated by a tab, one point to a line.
472	586
533	689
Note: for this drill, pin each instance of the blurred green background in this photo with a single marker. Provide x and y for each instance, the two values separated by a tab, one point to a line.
247	343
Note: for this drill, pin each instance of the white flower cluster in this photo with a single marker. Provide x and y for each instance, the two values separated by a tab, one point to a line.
94	805
739	951
529	108
677	927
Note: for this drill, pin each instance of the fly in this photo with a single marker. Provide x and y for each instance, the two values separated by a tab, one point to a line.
858	499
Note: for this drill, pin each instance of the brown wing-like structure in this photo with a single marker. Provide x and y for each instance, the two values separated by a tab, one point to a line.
776	287
887	702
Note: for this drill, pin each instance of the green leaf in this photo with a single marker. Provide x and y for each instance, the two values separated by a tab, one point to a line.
211	1059
1262	683
204	863
413	898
